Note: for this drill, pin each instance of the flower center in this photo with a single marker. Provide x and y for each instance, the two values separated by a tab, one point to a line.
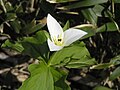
58	40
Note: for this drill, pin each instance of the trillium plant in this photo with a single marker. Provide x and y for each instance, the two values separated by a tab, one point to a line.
48	74
60	38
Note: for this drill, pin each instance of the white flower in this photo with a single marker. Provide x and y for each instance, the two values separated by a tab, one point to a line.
59	39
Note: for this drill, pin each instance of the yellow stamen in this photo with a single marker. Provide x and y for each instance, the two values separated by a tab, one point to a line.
58	40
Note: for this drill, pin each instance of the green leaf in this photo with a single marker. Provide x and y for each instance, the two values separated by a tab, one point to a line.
90	15
34	28
60	1
98	10
110	26
101	66
41	78
67	25
59	77
115	74
45	78
15	46
101	88
80	63
36	46
83	3
39	38
70	55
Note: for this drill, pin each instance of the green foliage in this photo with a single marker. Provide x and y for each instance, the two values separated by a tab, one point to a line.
39	73
51	79
115	74
25	23
13	45
76	59
83	3
101	88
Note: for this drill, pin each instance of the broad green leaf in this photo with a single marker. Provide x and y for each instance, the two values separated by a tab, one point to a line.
101	66
101	88
15	46
90	15
45	78
67	25
60	1
110	26
66	55
115	74
83	3
41	78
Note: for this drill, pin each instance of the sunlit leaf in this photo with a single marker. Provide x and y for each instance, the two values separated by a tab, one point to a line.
45	78
41	78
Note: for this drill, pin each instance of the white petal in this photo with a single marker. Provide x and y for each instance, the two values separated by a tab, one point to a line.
71	35
52	46
53	26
